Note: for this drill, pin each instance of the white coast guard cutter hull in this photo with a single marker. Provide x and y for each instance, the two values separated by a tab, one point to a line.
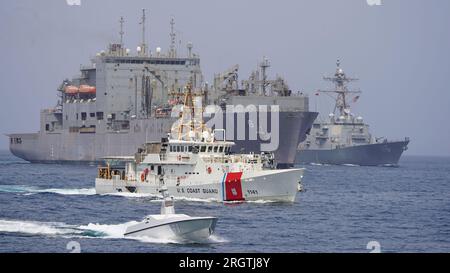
270	185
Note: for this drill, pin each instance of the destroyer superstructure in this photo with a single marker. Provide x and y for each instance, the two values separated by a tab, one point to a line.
344	138
122	100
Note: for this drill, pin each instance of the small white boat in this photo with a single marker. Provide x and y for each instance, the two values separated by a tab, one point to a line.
169	225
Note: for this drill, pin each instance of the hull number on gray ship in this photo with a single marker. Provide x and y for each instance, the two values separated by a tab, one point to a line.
252	192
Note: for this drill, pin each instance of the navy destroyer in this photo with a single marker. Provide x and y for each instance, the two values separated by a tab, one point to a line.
122	100
344	138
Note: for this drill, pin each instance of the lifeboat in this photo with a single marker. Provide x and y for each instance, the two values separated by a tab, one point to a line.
71	90
87	89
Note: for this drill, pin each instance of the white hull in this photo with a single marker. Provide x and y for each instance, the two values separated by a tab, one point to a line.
272	185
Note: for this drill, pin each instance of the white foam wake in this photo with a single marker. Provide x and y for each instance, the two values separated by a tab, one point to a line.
131	194
29	227
33	190
82	191
158	198
91	230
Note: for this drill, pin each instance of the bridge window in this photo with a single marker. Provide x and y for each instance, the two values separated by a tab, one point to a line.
92	115
209	149
215	149
203	149
47	127
99	115
83	115
220	149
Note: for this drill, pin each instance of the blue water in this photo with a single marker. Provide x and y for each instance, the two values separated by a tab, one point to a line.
405	209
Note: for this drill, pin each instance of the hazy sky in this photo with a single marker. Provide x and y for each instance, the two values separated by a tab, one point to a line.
399	50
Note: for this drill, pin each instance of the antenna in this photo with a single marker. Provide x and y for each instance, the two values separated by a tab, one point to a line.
121	21
143	50
172	53
264	65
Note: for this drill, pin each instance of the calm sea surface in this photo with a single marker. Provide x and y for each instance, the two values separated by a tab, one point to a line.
45	208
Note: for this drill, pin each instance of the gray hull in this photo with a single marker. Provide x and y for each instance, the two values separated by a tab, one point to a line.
88	148
378	154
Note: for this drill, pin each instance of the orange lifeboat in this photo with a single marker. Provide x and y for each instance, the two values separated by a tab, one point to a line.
71	90
87	89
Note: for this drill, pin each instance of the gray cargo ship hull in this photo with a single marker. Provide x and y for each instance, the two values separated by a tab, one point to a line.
88	148
377	154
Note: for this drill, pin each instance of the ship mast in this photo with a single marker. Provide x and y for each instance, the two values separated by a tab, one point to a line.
172	52
264	65
121	33
143	47
190	125
340	81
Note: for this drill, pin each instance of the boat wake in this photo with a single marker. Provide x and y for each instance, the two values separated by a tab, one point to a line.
28	190
91	230
158	198
8	163
130	194
350	165
318	164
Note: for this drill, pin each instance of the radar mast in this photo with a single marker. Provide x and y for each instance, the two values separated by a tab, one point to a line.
172	52
340	81
143	48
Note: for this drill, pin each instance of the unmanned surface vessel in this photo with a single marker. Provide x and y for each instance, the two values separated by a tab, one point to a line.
169	225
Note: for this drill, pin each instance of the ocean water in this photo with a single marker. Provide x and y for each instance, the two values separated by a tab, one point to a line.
52	208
